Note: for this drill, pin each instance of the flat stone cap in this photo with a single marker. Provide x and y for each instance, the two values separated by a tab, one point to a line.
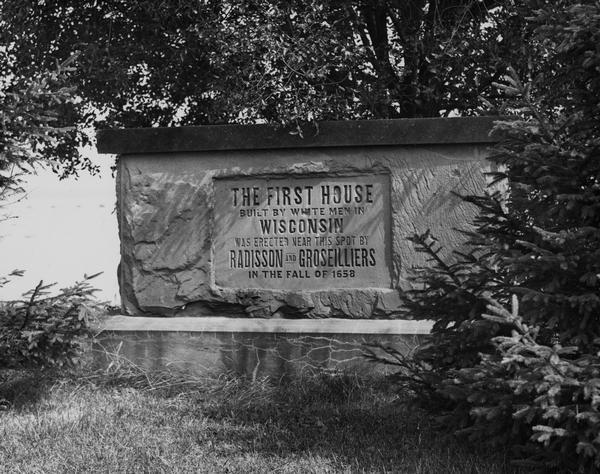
417	131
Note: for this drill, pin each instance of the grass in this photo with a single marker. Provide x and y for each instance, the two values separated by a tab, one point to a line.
127	420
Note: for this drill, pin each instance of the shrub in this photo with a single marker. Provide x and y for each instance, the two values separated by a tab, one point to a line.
545	395
46	330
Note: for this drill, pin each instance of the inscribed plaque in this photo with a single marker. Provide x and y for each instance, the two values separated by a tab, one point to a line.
302	233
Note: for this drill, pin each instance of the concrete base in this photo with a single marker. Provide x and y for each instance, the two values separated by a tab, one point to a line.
260	325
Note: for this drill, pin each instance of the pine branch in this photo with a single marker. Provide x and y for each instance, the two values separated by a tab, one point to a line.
31	303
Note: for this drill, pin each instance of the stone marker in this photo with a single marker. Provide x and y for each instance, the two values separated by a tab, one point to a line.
250	220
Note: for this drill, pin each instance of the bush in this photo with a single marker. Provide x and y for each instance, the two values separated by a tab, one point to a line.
43	330
546	395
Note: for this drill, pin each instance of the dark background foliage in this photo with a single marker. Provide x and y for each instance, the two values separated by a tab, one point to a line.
155	63
163	63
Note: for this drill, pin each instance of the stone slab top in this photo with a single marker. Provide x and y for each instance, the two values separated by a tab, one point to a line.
414	131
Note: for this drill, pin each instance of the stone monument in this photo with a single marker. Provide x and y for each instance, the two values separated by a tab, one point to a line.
250	220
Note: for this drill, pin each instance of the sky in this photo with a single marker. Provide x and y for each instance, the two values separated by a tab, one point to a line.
61	231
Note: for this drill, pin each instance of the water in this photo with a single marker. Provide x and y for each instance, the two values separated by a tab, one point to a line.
61	230
247	354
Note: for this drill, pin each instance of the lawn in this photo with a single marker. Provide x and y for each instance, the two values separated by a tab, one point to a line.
126	420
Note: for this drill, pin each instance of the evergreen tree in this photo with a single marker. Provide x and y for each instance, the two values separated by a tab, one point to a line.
527	376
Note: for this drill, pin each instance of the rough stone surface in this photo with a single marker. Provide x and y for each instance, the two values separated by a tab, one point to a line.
166	204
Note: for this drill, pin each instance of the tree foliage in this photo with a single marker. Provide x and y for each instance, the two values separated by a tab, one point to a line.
45	330
188	63
81	64
34	122
528	376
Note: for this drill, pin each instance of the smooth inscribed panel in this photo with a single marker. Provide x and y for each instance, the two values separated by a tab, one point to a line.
302	232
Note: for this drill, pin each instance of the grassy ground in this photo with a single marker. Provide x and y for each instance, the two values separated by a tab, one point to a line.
128	421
